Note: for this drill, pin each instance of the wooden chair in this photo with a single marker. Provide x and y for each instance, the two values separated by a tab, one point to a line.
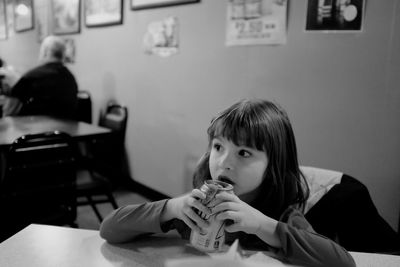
84	106
95	182
39	184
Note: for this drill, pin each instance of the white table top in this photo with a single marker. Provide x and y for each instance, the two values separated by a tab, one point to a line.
45	246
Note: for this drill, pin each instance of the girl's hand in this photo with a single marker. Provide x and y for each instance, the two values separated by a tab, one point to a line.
240	215
185	208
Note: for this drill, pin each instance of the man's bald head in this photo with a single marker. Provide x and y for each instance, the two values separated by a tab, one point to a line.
52	49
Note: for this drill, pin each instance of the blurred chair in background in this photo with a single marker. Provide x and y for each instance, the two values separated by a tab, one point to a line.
342	209
104	169
39	183
84	106
84	114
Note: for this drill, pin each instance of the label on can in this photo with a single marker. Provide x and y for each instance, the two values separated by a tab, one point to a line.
212	237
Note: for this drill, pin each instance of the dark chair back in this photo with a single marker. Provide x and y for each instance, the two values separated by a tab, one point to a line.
106	164
110	155
39	185
84	106
115	117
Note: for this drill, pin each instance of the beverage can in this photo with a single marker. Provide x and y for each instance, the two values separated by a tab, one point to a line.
212	237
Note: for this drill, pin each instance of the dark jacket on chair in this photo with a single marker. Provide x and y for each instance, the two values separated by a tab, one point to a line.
348	215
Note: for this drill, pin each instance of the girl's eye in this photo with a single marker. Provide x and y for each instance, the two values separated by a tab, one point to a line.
244	153
217	146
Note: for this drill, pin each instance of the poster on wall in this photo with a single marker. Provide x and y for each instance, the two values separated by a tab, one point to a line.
256	22
3	20
335	15
65	16
161	37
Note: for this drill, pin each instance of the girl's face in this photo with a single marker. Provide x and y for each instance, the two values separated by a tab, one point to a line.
241	166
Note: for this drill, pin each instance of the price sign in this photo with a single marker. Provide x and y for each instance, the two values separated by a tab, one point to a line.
246	27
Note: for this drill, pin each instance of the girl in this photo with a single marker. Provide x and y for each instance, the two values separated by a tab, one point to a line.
252	147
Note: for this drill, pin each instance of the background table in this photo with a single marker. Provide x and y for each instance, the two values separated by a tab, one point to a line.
45	246
13	127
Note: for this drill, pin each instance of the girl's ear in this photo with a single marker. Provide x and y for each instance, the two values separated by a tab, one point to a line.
202	171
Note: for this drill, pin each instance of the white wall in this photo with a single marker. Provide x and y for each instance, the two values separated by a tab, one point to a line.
340	90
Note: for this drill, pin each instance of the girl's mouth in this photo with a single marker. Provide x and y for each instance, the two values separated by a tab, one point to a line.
225	179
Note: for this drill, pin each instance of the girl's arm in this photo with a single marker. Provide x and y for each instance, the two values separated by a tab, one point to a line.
303	246
293	237
126	223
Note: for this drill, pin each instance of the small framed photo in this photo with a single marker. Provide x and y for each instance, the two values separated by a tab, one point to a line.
23	15
144	4
335	16
3	20
65	16
103	12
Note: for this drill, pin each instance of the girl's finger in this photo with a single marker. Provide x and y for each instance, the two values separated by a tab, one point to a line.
196	203
199	206
224	206
232	228
214	202
191	224
196	193
226	215
197	219
225	196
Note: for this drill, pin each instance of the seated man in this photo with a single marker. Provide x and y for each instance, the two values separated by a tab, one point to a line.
49	89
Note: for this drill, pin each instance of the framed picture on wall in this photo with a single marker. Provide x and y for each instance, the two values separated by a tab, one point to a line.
23	15
3	20
103	12
144	4
335	16
65	16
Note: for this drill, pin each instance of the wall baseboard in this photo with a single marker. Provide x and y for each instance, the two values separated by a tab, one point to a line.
145	191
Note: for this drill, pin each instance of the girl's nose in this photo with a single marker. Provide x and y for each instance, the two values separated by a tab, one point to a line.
227	161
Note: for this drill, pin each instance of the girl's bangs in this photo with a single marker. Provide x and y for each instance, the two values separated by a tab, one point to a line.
241	129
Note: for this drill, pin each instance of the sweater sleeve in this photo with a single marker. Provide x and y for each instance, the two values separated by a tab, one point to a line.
302	246
126	223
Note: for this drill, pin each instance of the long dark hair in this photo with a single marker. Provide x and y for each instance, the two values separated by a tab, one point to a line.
265	126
